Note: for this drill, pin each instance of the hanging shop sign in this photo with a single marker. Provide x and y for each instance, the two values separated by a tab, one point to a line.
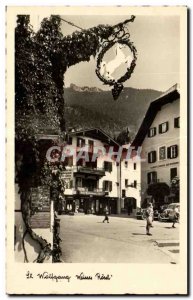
67	176
117	59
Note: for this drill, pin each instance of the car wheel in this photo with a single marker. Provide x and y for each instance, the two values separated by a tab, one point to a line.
143	217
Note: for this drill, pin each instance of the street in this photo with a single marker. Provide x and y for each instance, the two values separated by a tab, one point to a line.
86	239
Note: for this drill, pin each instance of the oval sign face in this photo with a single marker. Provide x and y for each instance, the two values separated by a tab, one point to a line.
115	62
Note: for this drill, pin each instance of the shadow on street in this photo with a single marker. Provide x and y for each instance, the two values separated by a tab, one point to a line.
138	233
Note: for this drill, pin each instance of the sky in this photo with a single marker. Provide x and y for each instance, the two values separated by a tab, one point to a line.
157	40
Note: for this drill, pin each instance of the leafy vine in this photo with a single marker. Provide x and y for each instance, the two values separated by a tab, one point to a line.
41	60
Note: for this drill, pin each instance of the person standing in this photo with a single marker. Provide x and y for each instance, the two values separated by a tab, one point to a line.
106	215
176	216
149	218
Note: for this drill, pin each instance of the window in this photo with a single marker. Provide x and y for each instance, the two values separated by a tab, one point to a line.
162	153
90	145
177	122
172	151
152	132
107	186
69	161
135	184
152	157
126	182
78	182
151	177
126	163
123	193
173	173
163	127
91	165
108	166
80	142
81	162
69	140
134	166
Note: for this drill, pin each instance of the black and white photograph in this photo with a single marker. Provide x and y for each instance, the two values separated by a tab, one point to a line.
98	141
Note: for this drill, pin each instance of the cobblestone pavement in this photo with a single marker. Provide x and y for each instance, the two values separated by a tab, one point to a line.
86	239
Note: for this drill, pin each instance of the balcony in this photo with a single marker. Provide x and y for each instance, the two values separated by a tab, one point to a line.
89	191
89	170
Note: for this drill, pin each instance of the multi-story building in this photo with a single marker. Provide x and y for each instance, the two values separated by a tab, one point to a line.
94	182
91	179
130	182
158	136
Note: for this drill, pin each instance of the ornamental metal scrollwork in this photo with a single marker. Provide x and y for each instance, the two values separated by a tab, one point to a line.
104	70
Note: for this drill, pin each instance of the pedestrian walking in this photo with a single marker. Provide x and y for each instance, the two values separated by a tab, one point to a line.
176	216
149	218
106	215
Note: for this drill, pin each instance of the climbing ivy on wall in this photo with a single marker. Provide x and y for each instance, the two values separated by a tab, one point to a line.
41	60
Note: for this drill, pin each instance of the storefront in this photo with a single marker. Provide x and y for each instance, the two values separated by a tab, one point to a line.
89	204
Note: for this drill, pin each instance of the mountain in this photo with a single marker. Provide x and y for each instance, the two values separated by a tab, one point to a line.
92	107
84	88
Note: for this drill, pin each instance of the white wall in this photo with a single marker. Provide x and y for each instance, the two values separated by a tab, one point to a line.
167	113
131	174
109	176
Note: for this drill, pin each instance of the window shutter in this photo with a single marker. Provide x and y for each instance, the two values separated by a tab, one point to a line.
70	161
154	131
169	152
154	176
175	122
167	126
149	157
69	140
173	173
154	156
123	193
160	128
110	186
104	185
148	178
176	150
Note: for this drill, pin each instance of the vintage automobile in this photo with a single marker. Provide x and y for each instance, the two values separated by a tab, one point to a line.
168	213
141	214
156	214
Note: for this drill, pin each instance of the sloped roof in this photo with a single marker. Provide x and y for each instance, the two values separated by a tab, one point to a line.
167	97
97	134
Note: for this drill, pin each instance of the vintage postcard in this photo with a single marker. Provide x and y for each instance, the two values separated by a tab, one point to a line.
97	150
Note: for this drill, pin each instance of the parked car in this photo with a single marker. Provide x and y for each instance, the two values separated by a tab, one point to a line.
156	214
168	213
157	210
141	214
69	212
